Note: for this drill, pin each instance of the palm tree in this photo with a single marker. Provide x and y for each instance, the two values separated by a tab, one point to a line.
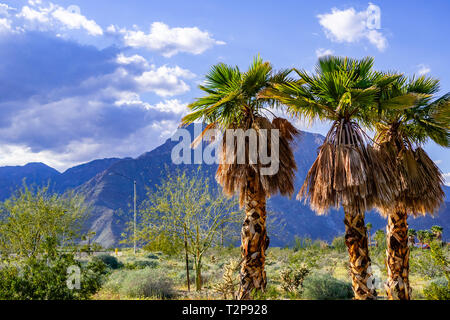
437	232
411	237
421	235
417	181
342	90
231	101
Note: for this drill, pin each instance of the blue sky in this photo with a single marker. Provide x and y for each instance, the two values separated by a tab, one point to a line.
87	79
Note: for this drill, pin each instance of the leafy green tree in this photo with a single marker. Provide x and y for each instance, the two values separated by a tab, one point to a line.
46	278
186	209
436	291
380	240
32	217
36	229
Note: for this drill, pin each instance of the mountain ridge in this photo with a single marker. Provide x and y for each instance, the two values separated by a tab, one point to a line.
105	186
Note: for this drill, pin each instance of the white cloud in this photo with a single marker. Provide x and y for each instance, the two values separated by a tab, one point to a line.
352	26
447	178
38	16
74	20
28	13
321	52
4	9
165	81
169	41
5	25
173	106
423	69
135	59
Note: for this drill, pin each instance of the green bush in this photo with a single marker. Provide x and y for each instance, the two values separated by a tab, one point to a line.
109	261
144	283
46	278
326	287
437	290
141	264
292	279
152	256
339	244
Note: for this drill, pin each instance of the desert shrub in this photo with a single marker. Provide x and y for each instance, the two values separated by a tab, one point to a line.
339	244
302	243
421	262
292	279
152	256
141	264
230	280
109	261
325	287
437	290
46	278
181	278
307	257
144	283
271	293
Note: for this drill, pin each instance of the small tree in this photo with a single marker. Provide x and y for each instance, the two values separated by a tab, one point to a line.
185	209
437	232
380	239
32	217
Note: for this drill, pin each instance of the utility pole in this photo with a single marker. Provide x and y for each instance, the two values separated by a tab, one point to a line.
134	200
134	183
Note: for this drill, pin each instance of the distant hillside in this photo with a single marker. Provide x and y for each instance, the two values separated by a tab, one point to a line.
39	174
11	177
103	183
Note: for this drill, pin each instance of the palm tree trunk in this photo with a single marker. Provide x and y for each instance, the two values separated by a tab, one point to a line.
254	241
397	286
358	250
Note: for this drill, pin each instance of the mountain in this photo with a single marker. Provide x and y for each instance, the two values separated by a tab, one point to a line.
12	177
39	174
107	183
78	175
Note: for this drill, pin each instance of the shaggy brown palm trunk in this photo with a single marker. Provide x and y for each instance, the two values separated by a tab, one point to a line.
397	286
358	250
254	241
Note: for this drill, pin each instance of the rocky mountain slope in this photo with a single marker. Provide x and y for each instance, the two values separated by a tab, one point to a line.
104	183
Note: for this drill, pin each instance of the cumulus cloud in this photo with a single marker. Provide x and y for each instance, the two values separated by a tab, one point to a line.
352	26
321	52
37	16
447	178
69	103
423	69
75	20
5	25
168	41
63	102
5	10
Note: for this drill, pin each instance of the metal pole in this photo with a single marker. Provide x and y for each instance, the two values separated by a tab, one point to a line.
135	217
